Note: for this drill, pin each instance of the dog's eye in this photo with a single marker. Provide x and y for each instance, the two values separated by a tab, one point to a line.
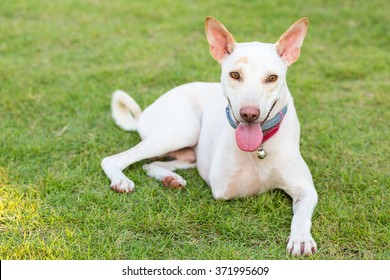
272	78
235	75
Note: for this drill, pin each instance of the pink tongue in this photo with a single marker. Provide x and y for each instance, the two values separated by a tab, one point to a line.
249	137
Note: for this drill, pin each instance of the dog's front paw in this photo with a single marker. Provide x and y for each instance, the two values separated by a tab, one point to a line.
123	186
301	244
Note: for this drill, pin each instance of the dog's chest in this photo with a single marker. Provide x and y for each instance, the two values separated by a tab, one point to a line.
245	182
242	177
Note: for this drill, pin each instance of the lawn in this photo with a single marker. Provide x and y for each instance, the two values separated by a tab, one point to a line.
61	60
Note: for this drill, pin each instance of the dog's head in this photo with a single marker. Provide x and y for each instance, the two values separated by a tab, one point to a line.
253	74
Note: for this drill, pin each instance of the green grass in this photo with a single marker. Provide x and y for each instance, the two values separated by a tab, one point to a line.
61	60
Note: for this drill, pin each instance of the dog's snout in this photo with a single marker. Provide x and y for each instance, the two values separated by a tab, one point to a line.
249	113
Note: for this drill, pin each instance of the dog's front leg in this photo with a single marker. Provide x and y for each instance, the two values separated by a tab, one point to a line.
300	241
305	200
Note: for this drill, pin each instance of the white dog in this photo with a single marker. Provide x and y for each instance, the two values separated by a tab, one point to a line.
242	134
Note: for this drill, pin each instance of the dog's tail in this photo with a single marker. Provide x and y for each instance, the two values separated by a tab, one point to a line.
125	110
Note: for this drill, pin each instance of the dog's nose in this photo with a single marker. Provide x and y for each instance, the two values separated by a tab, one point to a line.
249	113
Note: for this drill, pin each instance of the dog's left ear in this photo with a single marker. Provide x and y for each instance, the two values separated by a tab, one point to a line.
289	45
220	40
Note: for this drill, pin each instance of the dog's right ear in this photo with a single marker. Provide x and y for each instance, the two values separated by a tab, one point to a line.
220	40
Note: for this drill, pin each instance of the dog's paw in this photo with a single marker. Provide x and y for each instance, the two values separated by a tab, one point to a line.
123	186
301	244
175	182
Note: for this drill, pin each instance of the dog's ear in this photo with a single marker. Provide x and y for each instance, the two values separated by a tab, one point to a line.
220	40
289	45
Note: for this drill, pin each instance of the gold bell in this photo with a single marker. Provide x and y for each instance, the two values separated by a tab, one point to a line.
261	154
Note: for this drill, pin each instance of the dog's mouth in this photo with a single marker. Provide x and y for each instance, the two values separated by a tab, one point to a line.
249	136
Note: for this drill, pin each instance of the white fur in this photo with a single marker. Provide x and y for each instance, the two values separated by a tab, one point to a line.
193	115
125	111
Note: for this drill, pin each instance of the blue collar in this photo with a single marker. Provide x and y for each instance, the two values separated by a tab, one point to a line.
265	126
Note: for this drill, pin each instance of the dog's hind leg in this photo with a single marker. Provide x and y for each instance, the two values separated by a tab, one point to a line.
163	171
147	148
157	144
